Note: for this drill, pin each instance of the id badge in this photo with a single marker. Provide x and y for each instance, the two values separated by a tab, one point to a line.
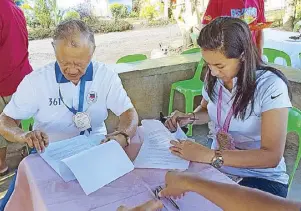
82	121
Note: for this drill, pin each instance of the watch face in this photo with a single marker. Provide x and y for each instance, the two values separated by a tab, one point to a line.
218	163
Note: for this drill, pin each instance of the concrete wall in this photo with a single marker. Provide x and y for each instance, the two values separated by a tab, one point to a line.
148	84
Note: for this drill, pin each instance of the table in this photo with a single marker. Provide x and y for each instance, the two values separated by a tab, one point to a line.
39	188
280	40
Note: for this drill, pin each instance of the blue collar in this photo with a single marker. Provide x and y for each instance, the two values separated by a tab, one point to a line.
60	78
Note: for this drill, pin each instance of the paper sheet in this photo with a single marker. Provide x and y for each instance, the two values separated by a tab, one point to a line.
154	152
58	151
99	166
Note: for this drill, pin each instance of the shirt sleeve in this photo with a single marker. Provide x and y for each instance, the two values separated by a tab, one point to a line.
211	12
117	99
274	94
205	94
23	104
1	29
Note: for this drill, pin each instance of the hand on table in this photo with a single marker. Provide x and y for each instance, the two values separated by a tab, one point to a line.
191	151
121	139
36	139
152	205
177	184
175	118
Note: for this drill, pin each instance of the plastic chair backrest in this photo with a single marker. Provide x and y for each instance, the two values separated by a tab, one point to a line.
198	71
272	54
132	58
192	50
294	125
27	124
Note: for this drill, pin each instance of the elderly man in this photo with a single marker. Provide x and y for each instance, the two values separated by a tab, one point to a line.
69	97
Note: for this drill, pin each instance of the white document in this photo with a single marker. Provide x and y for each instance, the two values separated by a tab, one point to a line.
56	152
154	152
82	158
99	166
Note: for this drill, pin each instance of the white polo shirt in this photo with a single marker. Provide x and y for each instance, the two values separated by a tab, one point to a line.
271	93
38	96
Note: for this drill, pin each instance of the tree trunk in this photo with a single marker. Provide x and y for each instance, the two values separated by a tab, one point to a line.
185	14
166	7
289	17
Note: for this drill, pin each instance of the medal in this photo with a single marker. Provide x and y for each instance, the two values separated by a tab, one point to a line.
224	139
82	121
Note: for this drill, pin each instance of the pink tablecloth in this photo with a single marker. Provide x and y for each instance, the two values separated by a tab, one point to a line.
39	188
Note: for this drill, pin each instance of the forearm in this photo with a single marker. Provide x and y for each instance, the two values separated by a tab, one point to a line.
236	198
249	158
128	122
10	130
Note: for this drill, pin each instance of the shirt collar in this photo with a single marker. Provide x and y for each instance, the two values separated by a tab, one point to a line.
234	81
60	78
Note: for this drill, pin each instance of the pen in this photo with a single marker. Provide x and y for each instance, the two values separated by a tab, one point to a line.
154	194
170	200
182	118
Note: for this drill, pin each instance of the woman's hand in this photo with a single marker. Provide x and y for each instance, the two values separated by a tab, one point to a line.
191	151
175	118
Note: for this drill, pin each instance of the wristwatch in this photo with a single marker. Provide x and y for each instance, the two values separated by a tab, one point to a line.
217	160
127	137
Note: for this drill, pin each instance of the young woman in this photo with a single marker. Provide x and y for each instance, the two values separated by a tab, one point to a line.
248	102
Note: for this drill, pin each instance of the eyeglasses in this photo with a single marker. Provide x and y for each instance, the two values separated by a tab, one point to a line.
158	190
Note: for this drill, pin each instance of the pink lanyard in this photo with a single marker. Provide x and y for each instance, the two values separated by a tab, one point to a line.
226	125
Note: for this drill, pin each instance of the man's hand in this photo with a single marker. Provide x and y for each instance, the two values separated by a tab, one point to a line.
148	206
177	184
117	136
36	139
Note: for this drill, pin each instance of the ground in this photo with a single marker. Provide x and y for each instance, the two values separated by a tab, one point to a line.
110	47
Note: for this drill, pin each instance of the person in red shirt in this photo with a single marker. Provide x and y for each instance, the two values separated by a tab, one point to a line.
14	63
249	10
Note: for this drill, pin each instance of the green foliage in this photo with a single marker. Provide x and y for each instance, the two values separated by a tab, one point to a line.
90	20
297	24
134	14
159	22
98	26
40	33
42	13
56	14
71	15
105	26
119	11
149	12
137	4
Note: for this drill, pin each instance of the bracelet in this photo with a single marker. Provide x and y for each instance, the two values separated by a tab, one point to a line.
127	137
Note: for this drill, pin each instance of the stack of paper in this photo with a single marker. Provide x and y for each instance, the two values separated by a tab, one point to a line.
82	158
154	152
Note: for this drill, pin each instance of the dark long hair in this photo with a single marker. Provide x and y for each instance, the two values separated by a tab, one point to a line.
233	38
